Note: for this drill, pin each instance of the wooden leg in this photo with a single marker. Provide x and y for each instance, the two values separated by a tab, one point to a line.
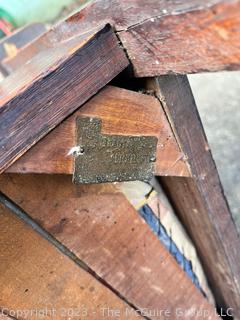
199	200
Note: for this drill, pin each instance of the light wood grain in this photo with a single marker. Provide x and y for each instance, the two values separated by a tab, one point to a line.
122	112
99	225
36	278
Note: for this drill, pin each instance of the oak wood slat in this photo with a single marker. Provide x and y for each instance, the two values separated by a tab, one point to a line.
200	200
39	95
36	277
122	112
160	37
100	227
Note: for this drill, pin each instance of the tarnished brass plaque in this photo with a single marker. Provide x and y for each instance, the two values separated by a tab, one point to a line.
110	158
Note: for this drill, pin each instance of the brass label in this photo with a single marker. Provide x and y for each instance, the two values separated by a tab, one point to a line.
110	158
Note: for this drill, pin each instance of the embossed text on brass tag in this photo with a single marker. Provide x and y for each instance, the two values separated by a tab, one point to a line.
109	158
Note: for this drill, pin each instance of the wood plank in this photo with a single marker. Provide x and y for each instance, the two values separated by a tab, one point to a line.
39	95
198	41
160	37
123	112
10	45
99	225
200	201
39	280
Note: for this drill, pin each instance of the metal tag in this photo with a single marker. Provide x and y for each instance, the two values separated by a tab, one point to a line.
110	158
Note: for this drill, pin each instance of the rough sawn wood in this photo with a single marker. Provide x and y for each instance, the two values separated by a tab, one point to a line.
200	200
122	112
98	224
37	278
160	36
38	96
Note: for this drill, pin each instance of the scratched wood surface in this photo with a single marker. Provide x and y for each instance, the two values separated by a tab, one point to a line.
99	225
36	277
200	201
160	37
123	112
38	96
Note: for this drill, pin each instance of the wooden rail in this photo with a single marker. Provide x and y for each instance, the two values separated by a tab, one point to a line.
38	96
160	37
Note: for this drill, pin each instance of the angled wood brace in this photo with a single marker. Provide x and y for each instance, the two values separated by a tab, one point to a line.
79	57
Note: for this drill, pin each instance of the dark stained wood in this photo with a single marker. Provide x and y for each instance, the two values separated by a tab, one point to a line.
38	96
101	228
122	112
200	201
160	37
35	277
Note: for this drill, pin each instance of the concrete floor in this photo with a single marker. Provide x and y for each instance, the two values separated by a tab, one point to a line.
218	99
